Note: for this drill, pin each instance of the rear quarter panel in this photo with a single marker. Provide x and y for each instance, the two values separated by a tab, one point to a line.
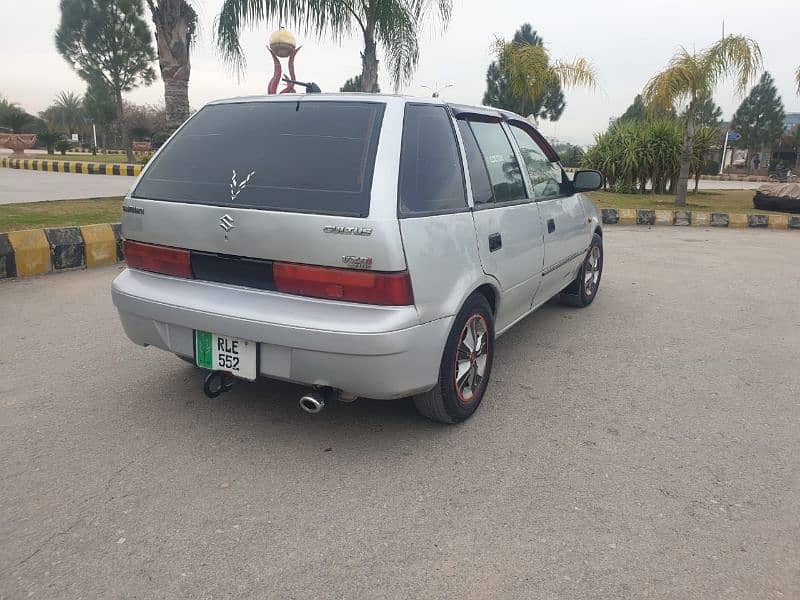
442	256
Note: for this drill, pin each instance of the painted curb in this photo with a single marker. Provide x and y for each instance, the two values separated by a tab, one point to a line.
683	218
31	252
37	251
67	166
8	266
117	229
100	245
66	247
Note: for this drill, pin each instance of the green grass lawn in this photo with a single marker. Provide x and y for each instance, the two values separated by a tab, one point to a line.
60	213
725	201
71	156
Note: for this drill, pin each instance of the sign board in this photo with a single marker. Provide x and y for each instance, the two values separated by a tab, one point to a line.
74	137
734	136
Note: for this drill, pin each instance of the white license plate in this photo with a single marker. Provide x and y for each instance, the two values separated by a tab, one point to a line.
224	353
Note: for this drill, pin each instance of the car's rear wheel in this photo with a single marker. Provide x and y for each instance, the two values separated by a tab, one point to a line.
466	365
583	290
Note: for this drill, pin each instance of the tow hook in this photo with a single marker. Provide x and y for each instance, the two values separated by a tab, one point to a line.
218	382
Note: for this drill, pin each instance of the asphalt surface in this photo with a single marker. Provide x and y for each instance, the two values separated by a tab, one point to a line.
18	185
645	447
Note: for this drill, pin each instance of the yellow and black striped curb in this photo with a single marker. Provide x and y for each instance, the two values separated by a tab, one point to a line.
646	216
37	251
71	166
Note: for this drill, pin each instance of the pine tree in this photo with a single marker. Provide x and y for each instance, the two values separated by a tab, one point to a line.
638	112
708	114
108	41
354	85
499	93
759	118
635	112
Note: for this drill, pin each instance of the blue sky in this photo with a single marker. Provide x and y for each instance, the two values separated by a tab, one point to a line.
626	41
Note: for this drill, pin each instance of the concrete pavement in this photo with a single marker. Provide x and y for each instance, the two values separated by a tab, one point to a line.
17	185
648	446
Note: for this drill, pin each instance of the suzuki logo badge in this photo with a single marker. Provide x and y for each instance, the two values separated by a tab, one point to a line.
226	223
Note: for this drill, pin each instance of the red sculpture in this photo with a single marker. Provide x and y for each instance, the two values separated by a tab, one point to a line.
282	45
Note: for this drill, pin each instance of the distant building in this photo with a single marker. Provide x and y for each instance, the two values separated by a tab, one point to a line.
791	120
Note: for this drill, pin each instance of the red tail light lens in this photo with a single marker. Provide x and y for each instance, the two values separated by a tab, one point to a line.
158	259
389	289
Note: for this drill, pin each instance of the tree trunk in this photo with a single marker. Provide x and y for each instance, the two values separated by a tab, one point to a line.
686	157
369	61
176	101
175	23
123	130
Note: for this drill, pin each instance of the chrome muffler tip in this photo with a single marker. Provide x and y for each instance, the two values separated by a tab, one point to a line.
312	402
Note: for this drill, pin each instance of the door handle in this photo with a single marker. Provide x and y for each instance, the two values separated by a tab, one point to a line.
551	225
495	242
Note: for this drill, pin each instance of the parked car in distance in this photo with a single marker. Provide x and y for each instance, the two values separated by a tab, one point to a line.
360	245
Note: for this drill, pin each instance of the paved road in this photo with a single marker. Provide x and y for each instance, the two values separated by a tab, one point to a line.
648	446
710	184
17	185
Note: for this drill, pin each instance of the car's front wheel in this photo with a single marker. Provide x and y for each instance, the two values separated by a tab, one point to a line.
466	365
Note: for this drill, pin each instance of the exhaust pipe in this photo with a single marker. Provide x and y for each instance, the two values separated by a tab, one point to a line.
312	402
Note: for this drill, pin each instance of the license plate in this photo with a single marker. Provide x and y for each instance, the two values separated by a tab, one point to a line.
224	353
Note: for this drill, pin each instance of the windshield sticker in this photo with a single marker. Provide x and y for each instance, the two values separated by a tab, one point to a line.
236	188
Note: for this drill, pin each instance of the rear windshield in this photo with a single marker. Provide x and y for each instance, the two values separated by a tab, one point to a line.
294	156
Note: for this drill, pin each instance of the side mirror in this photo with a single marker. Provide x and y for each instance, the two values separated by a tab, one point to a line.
587	181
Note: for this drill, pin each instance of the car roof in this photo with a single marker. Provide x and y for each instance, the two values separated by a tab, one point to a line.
362	96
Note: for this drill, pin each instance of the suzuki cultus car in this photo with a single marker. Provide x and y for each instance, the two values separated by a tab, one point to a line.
360	245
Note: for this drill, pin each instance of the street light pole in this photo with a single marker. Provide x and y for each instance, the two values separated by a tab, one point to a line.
436	89
724	152
88	120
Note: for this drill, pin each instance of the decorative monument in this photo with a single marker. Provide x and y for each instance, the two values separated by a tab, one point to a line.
282	45
17	142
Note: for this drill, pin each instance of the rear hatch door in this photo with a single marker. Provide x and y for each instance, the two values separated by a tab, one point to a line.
280	180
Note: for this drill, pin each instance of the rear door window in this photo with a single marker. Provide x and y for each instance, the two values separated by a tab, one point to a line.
297	156
431	179
501	163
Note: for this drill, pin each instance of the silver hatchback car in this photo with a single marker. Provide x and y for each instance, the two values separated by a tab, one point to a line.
361	245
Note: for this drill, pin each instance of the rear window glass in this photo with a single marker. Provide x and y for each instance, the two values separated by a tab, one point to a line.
430	168
294	156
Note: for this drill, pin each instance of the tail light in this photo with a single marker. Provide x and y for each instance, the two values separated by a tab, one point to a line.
158	259
349	285
390	289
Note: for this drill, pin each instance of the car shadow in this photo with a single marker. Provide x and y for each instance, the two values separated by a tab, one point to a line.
269	408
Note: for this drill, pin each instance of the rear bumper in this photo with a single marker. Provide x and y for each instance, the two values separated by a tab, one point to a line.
376	352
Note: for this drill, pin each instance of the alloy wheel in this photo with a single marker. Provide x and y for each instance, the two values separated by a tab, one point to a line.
591	273
471	357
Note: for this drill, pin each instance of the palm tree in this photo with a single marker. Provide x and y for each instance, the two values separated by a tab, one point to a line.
394	24
176	23
68	112
692	77
531	72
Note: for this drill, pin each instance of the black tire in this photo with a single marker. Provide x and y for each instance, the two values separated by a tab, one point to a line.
580	292
449	402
